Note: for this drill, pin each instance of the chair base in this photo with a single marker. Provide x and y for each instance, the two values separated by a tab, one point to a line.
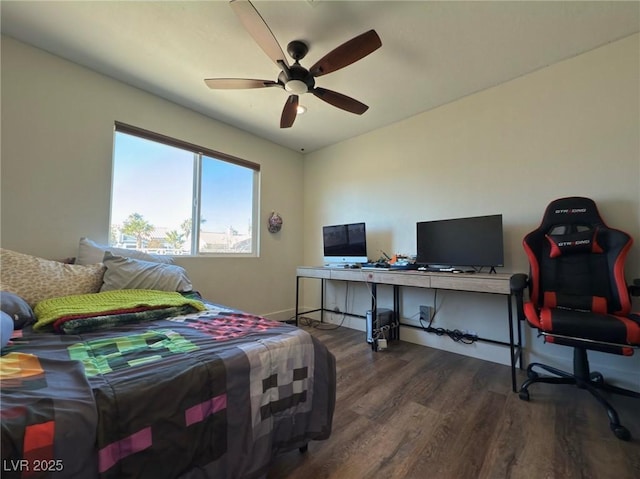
584	379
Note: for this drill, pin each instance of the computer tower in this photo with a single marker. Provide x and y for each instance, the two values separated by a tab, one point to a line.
384	318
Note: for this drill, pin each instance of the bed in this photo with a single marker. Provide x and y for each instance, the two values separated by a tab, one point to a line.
186	389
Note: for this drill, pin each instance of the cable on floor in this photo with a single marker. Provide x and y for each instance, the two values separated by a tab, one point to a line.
455	334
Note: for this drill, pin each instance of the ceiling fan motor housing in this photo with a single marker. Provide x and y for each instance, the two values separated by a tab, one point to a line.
298	81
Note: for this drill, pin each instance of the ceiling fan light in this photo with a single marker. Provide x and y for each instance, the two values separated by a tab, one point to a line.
297	87
301	110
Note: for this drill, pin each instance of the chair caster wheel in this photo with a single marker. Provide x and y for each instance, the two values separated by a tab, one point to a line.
621	432
596	377
523	394
532	374
303	449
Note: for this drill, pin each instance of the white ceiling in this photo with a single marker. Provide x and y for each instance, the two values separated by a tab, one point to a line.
432	52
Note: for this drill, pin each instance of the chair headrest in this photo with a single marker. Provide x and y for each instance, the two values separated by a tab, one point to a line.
573	210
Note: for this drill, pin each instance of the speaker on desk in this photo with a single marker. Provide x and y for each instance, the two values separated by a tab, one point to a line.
384	318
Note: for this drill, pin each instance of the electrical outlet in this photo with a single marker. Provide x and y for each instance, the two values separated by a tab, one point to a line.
425	313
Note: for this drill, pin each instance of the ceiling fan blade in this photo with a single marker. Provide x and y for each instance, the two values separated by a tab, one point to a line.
238	83
347	53
289	112
340	101
260	31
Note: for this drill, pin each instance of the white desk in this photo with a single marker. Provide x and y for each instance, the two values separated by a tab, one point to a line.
476	282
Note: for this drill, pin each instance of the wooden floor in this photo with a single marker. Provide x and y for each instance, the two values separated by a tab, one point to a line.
416	412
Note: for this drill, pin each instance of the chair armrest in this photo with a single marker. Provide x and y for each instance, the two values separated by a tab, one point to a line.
518	282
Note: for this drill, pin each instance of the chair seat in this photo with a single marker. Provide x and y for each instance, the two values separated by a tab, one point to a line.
585	324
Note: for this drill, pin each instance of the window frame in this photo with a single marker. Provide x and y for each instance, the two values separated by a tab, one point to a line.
120	127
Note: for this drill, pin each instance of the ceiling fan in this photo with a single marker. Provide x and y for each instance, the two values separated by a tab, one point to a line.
296	79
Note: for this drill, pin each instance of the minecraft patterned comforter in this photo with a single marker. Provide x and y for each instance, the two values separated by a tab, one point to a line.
212	394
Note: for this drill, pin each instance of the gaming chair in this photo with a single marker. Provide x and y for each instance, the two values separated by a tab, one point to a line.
578	296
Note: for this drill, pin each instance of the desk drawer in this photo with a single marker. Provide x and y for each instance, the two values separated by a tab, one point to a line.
310	272
400	278
481	284
349	274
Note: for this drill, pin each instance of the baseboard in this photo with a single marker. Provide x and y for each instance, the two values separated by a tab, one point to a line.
495	353
486	351
284	315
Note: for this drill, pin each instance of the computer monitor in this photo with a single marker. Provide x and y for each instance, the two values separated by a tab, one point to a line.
475	242
344	244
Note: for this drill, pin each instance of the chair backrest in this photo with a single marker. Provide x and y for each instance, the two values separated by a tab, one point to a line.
577	261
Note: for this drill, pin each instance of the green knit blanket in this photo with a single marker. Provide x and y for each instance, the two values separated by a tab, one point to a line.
79	305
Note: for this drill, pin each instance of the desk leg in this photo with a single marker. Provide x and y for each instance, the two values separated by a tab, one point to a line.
512	347
374	301
395	330
519	344
321	309
297	297
322	300
374	313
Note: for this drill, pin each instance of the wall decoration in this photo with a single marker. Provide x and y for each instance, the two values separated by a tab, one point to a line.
275	222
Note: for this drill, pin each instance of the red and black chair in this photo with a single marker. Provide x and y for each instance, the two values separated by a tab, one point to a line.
578	296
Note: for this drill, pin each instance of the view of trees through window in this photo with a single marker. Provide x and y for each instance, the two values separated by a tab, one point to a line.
176	201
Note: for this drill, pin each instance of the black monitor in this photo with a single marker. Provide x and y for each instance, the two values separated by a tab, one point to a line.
345	244
475	242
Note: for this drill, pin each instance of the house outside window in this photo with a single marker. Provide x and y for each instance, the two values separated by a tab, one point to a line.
174	198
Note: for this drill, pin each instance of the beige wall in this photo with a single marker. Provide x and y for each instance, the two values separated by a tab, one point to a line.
572	128
57	138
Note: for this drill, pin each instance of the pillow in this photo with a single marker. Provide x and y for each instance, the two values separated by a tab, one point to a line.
6	329
35	279
17	308
573	243
90	252
130	273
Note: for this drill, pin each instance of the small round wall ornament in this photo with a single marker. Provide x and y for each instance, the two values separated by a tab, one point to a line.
275	222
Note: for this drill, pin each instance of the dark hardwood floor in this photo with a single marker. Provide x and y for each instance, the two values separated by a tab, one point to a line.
412	412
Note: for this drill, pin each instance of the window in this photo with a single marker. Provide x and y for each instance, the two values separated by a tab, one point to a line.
172	197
